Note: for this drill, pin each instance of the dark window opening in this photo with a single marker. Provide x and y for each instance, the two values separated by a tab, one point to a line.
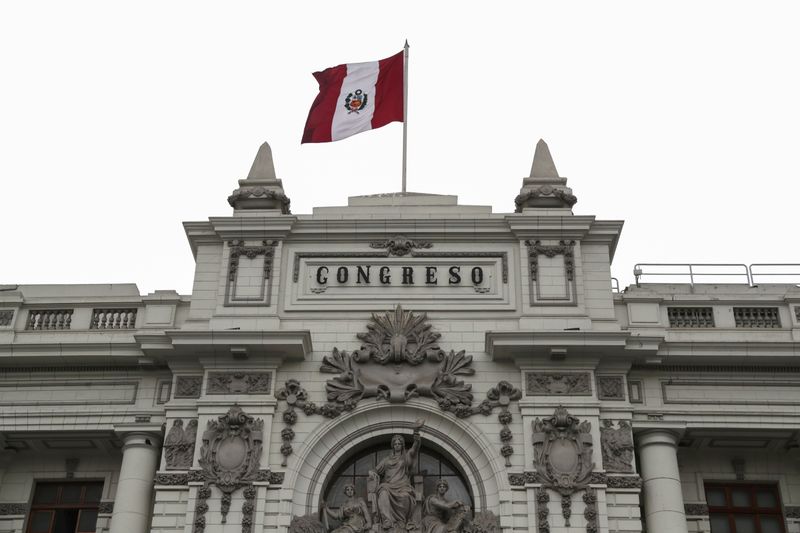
744	508
65	507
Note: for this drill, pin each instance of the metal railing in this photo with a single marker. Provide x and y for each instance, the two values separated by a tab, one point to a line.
716	272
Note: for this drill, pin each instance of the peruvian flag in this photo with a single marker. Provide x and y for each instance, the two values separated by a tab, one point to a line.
356	97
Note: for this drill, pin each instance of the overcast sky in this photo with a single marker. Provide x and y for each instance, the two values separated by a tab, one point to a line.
120	120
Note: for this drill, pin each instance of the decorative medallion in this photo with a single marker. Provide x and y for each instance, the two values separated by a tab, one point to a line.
400	245
617	446
558	384
188	386
230	459
610	388
563	454
179	445
5	317
239	383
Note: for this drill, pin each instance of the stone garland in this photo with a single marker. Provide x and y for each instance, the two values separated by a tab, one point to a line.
590	510
542	512
296	397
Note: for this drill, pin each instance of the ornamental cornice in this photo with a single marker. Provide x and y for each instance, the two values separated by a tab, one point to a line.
291	345
255	228
370	229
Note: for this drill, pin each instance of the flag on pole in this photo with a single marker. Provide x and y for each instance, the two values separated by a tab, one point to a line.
356	97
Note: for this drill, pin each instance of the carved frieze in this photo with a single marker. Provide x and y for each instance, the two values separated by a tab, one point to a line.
179	445
563	454
106	507
6	315
617	446
239	383
624	482
558	384
171	479
13	509
188	386
697	509
400	245
610	387
229	459
792	511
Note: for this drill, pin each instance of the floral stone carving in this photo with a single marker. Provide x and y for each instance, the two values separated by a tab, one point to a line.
617	446
179	445
230	459
563	454
400	245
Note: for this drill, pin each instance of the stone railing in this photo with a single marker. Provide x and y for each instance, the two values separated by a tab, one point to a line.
113	319
690	317
756	317
49	319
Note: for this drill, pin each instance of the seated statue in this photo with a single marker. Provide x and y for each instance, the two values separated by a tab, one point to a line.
395	498
441	515
353	514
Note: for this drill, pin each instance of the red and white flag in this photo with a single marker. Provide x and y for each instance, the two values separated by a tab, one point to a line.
356	97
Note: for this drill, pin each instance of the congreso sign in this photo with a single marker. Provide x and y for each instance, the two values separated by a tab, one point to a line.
401	364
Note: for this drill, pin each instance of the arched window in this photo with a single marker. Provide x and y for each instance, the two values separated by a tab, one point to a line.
432	465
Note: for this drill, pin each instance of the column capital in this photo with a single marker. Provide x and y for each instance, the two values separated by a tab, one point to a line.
147	435
669	436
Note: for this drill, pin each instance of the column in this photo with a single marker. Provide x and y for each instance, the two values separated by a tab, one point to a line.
663	498
133	501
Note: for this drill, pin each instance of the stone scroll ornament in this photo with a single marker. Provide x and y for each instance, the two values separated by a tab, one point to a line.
229	459
399	360
563	455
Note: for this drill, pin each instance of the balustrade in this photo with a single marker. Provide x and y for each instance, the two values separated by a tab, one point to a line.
49	319
756	317
690	317
113	319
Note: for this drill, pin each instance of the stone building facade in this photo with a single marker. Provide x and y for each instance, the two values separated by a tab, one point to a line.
491	343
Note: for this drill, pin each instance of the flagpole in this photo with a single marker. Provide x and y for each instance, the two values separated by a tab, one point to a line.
405	109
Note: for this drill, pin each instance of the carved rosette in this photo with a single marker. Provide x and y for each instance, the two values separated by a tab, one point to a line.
563	455
229	459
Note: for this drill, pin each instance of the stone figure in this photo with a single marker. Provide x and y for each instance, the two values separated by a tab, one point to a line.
395	497
441	515
353	514
617	446
179	445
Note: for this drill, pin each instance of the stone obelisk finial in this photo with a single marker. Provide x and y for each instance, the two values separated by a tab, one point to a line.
261	190
544	188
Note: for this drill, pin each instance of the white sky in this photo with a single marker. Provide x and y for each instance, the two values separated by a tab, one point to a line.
120	120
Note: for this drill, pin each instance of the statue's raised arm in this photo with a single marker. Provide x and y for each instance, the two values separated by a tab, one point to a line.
412	452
